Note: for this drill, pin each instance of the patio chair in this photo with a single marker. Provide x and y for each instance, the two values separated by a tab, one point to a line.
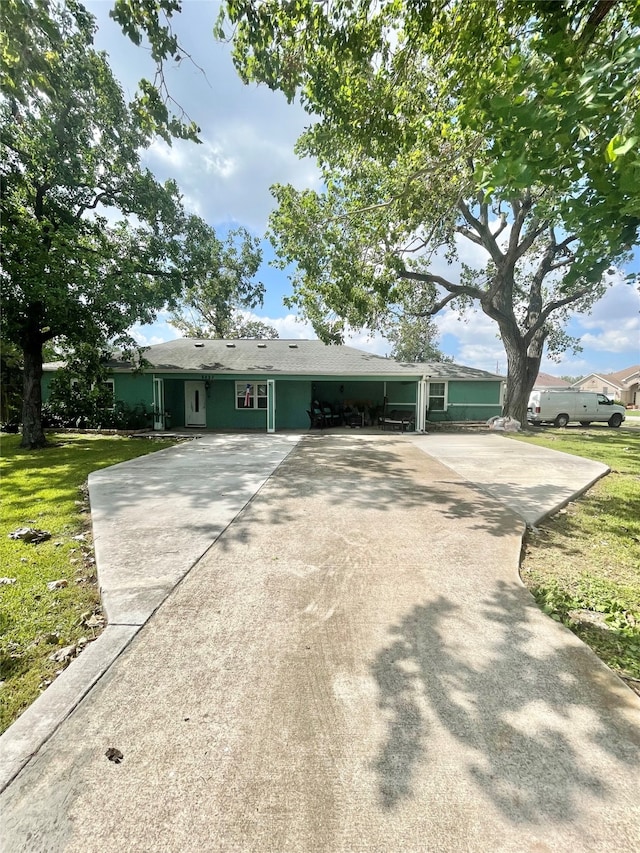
316	418
331	418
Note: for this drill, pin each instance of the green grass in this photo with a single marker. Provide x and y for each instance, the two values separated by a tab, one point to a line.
45	489
583	564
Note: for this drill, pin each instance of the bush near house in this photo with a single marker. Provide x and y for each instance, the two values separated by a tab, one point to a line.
49	598
583	564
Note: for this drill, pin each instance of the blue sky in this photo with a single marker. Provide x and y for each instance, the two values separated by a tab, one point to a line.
248	135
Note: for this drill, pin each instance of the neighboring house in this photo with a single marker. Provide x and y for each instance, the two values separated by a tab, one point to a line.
623	385
546	382
271	384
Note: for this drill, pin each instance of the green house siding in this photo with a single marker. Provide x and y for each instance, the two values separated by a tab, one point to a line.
464	399
133	389
293	398
470	401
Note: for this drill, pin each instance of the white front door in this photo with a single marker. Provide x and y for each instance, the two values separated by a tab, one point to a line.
195	404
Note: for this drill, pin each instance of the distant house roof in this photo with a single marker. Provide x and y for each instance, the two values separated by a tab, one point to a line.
622	377
546	380
287	357
619	380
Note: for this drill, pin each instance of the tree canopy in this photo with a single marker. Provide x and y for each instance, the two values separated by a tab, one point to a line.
91	243
510	126
214	303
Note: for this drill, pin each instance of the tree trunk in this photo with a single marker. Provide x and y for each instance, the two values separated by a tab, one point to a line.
522	370
32	432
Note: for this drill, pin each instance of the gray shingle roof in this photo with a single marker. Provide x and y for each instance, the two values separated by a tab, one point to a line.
311	358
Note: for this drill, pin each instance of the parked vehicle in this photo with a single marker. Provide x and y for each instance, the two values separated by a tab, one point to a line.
561	407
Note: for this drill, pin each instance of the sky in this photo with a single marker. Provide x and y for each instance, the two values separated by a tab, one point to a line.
248	135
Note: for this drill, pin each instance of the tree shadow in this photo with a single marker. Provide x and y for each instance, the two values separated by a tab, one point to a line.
524	712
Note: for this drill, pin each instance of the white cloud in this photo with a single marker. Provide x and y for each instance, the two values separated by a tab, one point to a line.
289	327
155	333
619	305
624	338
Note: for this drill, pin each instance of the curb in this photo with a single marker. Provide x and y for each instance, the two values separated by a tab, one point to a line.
34	726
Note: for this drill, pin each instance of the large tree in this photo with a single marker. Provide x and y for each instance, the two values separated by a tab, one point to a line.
90	243
511	127
513	124
214	303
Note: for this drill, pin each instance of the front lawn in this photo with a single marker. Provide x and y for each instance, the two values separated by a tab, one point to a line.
45	489
583	564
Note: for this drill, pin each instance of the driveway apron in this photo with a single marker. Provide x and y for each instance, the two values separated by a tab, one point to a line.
353	666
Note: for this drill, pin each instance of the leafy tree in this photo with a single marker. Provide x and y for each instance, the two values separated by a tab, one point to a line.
572	379
510	127
415	339
90	242
10	386
32	34
246	328
214	302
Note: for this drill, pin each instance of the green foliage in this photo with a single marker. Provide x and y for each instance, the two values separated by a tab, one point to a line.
33	40
511	125
552	87
10	385
412	332
90	242
213	301
42	489
153	105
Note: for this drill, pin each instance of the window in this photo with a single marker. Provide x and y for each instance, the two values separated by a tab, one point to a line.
251	395
436	396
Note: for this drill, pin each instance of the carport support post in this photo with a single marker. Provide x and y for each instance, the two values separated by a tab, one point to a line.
271	405
421	405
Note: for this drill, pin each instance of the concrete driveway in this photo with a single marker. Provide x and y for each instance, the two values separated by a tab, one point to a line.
353	666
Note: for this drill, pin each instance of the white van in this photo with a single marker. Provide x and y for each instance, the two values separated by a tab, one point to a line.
560	407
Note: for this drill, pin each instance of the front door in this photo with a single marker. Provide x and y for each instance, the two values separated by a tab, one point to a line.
195	404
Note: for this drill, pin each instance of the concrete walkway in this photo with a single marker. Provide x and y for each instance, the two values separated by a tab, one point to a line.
353	666
152	518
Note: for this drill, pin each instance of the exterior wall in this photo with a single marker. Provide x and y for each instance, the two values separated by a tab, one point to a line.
221	406
46	385
133	389
292	401
596	383
470	401
464	400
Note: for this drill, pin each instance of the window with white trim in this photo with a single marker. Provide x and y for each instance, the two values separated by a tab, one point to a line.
251	395
436	396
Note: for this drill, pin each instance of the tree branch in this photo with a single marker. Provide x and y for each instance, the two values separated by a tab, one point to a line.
530	237
553	306
503	224
484	233
469	235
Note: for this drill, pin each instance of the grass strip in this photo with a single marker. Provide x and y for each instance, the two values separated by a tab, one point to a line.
46	489
583	564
